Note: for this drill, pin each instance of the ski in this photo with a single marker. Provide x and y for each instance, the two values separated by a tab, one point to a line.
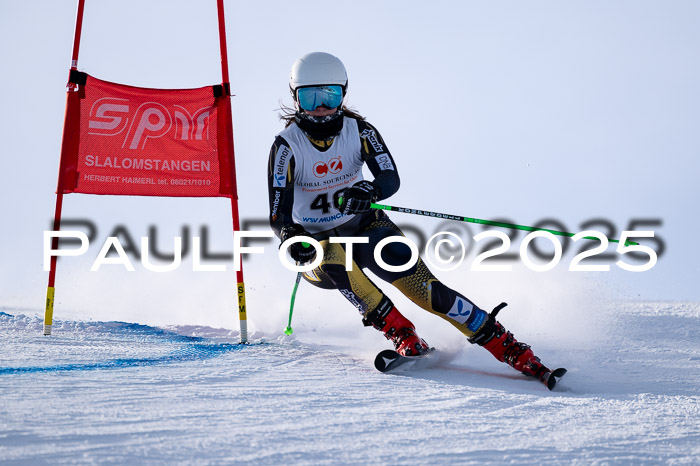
553	377
389	360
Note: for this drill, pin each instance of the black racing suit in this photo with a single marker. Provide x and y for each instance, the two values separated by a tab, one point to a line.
417	283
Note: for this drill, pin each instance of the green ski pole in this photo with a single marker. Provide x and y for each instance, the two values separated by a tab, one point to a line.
288	330
460	218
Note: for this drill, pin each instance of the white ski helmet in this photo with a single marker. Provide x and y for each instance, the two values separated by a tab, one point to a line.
317	69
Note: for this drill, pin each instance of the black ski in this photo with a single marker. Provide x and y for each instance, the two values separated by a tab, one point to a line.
389	360
553	377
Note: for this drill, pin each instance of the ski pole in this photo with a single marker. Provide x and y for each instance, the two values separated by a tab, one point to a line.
461	218
483	222
288	330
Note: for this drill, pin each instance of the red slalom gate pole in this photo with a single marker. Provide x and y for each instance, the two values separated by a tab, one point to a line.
240	286
72	88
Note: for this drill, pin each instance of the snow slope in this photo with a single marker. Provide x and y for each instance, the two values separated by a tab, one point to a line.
117	393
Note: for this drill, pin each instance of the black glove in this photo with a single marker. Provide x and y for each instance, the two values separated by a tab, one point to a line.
358	197
298	251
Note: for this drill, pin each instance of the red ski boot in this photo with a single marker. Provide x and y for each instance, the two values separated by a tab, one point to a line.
503	345
396	328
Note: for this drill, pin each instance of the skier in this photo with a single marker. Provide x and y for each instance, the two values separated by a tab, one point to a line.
317	160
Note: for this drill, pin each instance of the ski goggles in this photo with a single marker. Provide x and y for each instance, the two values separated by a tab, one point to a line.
310	98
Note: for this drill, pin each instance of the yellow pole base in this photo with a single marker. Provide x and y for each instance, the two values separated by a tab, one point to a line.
242	312
48	312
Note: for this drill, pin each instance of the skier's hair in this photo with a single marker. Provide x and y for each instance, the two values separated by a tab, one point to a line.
287	114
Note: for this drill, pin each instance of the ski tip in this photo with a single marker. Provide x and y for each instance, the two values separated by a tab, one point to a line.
554	377
383	361
388	360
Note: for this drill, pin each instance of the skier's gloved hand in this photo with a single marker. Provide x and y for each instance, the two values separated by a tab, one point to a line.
300	252
358	197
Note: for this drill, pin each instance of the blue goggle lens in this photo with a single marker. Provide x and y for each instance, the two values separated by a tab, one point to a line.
310	98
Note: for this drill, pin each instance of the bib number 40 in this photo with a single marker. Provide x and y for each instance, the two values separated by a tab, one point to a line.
321	202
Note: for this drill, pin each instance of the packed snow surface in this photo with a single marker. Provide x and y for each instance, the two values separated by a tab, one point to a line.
120	393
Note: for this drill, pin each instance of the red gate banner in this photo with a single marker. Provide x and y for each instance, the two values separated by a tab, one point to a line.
126	140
